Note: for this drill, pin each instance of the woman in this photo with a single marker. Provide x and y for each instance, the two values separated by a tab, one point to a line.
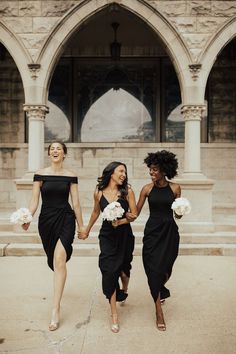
161	237
116	238
57	219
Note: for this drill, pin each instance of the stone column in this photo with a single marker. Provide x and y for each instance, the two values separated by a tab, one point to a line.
192	149
194	184
36	115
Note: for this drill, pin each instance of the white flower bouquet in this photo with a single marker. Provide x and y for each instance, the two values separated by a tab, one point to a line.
112	212
21	216
181	206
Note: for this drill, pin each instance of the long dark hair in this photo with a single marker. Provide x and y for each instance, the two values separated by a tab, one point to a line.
104	180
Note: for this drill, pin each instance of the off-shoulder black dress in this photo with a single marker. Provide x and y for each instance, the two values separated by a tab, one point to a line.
161	240
56	219
116	246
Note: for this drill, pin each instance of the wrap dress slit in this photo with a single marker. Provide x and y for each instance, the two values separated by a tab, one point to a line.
161	240
116	252
56	219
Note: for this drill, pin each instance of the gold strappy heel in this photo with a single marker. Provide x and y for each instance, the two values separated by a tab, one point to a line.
160	326
53	326
115	326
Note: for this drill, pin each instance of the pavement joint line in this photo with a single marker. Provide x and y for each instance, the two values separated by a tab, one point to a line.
93	297
57	345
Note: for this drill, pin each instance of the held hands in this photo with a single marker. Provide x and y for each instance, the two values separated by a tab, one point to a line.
82	233
130	216
115	223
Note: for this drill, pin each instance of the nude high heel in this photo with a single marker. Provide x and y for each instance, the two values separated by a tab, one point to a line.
115	326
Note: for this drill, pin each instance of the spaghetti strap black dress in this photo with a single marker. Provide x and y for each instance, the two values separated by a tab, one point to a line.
116	252
56	219
161	240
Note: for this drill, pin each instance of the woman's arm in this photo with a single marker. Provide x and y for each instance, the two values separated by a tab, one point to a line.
34	202
177	192
95	213
132	208
76	204
142	197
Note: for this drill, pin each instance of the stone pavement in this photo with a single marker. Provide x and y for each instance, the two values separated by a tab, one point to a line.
200	315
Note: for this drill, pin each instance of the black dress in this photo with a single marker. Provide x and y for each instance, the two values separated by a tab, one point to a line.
161	240
56	219
116	246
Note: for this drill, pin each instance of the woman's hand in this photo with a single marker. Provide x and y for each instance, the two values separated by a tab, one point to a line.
115	223
82	233
130	216
177	216
25	226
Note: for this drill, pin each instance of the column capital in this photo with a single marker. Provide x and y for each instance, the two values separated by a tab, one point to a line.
193	112
35	112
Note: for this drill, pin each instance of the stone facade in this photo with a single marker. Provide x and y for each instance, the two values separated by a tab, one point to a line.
34	32
87	160
196	22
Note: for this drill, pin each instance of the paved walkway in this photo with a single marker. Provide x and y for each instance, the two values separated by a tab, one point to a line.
200	315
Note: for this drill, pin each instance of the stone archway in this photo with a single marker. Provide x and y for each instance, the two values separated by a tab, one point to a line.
144	65
53	47
220	40
18	53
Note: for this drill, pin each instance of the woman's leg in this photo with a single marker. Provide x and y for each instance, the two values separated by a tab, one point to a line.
124	281
159	315
59	264
114	316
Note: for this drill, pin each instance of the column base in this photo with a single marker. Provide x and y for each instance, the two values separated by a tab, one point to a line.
193	176
23	197
199	193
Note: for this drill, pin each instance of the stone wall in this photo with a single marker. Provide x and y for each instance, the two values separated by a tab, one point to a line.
13	164
88	161
12	125
197	21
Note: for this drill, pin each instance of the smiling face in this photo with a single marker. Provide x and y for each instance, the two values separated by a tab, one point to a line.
156	174
119	175
56	152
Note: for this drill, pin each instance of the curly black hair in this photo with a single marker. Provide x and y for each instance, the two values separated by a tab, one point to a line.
166	161
104	180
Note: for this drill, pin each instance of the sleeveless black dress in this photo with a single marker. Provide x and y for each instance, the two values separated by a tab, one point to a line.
161	240
56	219
116	246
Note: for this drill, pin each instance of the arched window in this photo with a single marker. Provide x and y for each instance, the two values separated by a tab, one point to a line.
97	61
221	97
12	125
117	116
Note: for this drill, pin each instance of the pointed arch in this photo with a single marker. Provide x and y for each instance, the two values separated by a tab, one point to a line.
53	47
226	33
17	51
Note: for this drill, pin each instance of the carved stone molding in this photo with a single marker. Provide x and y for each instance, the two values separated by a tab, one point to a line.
193	112
195	69
34	70
36	112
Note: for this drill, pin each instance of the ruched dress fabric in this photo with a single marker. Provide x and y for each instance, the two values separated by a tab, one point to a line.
116	252
56	219
161	240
